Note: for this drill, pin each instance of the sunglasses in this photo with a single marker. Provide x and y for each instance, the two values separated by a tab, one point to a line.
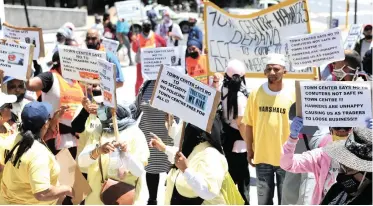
6	105
342	128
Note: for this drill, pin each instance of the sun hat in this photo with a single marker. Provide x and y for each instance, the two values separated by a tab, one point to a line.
6	98
278	59
235	67
355	152
35	114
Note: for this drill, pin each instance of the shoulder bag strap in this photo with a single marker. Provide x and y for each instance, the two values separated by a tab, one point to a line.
306	141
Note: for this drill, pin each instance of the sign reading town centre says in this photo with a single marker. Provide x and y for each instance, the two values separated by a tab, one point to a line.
185	97
80	64
250	38
334	103
107	82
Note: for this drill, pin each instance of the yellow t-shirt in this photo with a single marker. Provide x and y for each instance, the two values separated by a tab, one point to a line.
37	171
268	113
2	137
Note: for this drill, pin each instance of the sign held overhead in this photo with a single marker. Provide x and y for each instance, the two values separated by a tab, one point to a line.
129	9
108	83
110	45
354	35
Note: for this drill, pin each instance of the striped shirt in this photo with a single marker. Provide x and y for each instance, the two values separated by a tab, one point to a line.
153	120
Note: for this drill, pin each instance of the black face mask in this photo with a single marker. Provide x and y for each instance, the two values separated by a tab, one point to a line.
349	183
368	37
93	46
192	24
146	29
20	97
194	55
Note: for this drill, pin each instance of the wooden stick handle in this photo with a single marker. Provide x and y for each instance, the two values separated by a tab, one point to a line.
182	136
115	124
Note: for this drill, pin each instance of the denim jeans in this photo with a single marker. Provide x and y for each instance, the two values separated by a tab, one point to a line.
266	183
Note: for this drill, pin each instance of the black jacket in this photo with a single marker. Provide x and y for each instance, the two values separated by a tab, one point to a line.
331	198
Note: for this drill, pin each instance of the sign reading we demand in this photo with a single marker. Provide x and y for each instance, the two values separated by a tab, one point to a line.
181	95
334	103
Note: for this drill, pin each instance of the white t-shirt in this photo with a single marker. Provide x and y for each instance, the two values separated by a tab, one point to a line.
162	29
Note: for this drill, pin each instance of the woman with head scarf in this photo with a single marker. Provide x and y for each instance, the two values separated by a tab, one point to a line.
31	172
131	147
200	175
315	161
195	61
234	98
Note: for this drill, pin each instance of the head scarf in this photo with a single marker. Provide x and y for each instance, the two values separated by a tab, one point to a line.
124	117
195	42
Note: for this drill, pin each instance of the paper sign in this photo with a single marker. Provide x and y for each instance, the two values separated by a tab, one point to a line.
128	9
153	58
16	59
2	17
28	35
80	64
71	175
334	103
181	95
110	45
353	37
250	38
108	82
315	49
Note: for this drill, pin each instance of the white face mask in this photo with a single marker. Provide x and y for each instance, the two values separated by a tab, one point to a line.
340	74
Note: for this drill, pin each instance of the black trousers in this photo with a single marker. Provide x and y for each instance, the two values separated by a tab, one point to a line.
152	180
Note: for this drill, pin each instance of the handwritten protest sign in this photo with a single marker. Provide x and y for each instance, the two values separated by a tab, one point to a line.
353	37
181	95
30	35
250	38
80	64
110	45
16	59
315	49
107	82
153	58
334	103
128	9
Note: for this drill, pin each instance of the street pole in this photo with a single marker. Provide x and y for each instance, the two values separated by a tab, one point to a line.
331	14
26	13
355	16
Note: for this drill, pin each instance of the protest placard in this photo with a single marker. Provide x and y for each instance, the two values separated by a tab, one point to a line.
108	82
179	94
31	35
153	58
353	36
315	49
80	64
129	9
110	45
250	38
334	103
16	58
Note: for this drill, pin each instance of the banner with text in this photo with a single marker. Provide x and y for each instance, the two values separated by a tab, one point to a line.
315	49
110	45
250	38
16	59
129	9
153	58
353	36
108	82
181	95
334	103
80	64
30	35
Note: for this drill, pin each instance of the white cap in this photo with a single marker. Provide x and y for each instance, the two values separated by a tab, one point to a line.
235	67
5	98
278	59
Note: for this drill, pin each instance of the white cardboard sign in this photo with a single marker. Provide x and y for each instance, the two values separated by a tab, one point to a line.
181	95
16	59
250	38
153	58
2	17
315	49
28	35
80	64
110	45
335	103
107	82
353	36
128	9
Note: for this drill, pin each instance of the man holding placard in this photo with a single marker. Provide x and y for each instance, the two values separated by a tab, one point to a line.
267	128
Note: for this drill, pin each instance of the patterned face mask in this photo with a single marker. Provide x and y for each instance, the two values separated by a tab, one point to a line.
340	74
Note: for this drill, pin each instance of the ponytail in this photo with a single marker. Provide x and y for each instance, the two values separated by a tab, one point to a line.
234	86
23	146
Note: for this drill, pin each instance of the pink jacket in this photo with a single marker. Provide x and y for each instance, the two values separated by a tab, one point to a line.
315	161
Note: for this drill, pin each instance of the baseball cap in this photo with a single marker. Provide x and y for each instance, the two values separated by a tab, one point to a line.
35	115
278	59
6	99
367	27
235	67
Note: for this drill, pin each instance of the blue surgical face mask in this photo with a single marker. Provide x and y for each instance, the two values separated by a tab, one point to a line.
102	112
